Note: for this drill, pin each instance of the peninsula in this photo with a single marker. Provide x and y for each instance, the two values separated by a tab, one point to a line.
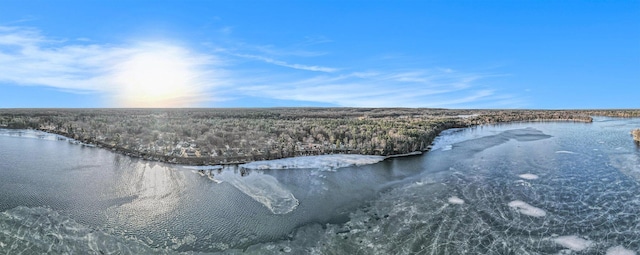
233	136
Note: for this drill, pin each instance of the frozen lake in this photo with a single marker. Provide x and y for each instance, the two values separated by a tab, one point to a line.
525	188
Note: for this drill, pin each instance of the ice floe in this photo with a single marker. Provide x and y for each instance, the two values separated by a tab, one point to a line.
215	167
528	176
263	188
455	200
527	209
323	162
573	242
620	250
565	152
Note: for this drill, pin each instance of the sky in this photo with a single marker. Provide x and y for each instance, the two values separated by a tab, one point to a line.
439	54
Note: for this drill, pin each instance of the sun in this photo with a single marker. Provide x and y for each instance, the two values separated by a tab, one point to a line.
159	76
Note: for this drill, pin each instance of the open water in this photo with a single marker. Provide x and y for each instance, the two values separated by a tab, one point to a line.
523	188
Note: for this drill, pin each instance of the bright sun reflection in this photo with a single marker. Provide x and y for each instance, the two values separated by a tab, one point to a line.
160	75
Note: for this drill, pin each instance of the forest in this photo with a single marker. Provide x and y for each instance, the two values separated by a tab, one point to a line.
231	136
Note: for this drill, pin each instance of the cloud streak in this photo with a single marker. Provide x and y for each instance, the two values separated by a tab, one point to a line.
389	88
349	86
313	68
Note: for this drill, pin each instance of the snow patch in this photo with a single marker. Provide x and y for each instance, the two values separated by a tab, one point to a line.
620	250
263	188
447	147
214	167
323	162
573	242
527	209
456	200
565	152
413	153
528	176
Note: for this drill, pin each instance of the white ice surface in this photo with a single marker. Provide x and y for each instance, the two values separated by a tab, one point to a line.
573	242
323	162
527	209
620	250
263	188
215	167
36	134
456	200
528	176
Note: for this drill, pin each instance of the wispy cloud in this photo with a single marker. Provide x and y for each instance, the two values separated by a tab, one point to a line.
385	88
361	87
140	69
313	40
313	68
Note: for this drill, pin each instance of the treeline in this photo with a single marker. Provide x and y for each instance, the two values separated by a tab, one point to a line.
223	136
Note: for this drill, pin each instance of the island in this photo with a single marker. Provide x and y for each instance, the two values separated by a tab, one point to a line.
234	136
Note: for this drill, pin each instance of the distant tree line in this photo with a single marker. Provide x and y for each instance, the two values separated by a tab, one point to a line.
224	136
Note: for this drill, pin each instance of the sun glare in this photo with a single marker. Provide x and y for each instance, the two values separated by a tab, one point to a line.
159	76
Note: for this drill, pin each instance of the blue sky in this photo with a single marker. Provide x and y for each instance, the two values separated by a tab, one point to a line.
449	54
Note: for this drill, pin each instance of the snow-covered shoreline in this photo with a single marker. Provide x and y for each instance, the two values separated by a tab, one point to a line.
323	162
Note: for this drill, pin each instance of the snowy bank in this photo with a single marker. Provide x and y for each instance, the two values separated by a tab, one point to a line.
323	162
264	189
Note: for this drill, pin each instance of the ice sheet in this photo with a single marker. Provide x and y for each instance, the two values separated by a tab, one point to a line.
628	164
323	162
215	167
42	230
33	134
263	188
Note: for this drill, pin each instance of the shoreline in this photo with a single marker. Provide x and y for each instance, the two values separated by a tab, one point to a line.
182	161
198	161
209	137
